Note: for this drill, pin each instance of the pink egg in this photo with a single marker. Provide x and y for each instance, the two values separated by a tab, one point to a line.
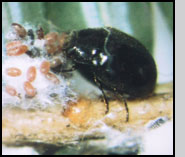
11	90
14	72
52	77
31	74
29	89
45	67
16	48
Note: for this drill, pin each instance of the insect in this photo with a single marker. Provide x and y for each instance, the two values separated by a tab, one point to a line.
19	30
114	61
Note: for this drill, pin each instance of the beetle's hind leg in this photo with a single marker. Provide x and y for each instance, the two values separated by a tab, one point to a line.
124	99
98	83
127	110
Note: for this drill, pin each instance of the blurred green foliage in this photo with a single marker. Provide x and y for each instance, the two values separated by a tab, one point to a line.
167	10
140	17
64	16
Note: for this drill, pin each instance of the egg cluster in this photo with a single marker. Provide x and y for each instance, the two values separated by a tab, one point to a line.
28	81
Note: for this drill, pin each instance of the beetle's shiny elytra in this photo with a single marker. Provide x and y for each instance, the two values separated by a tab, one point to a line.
114	60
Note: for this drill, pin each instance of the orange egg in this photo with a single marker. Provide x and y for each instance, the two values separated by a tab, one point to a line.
45	67
31	73
11	90
62	38
29	89
51	37
55	62
52	42
52	77
16	48
14	72
51	48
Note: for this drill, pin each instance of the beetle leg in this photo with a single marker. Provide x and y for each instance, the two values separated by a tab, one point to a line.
127	110
104	96
74	67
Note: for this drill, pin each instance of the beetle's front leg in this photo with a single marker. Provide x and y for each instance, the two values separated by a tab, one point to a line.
98	83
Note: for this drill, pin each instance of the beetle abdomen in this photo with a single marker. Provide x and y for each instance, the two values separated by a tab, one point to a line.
120	62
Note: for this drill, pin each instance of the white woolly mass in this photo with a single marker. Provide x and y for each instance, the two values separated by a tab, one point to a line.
44	87
18	150
159	141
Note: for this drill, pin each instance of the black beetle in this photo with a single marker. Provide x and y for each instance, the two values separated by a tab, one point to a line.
114	60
